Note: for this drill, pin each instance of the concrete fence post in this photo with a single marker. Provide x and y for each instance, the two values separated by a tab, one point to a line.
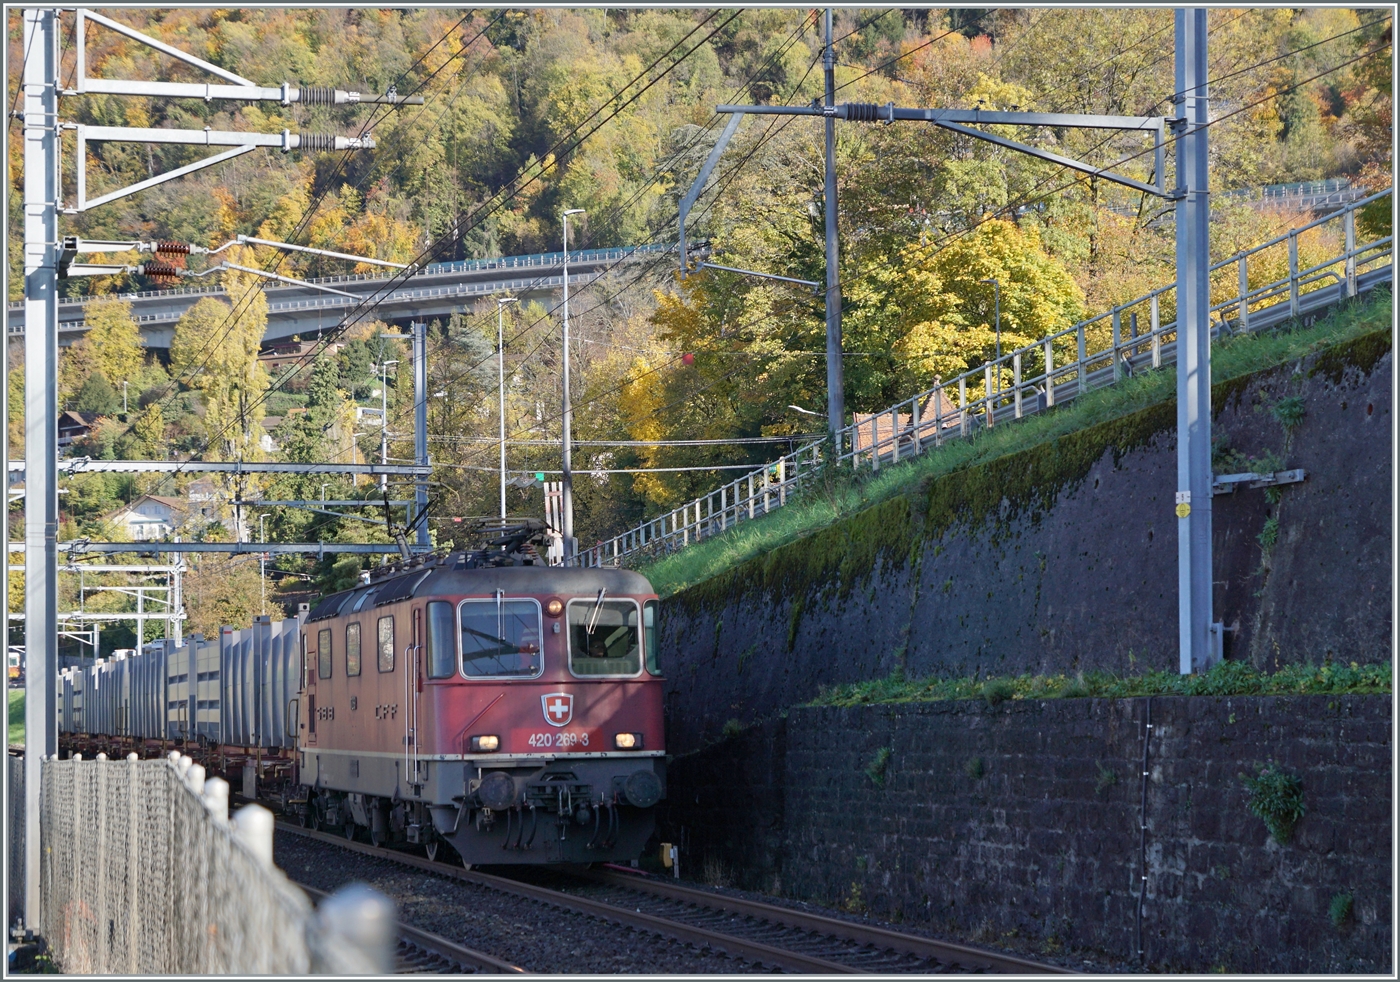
354	933
252	826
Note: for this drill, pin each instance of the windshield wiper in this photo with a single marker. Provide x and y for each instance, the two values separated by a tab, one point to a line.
597	609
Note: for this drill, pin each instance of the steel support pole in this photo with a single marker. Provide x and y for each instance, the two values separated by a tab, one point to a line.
41	190
567	520
1193	467
835	375
419	330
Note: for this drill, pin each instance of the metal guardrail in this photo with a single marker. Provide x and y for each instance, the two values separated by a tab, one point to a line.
1054	370
532	261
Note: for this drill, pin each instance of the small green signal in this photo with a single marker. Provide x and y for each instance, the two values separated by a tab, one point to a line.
539	476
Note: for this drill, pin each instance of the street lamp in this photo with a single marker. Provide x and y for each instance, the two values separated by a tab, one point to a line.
501	366
996	293
570	545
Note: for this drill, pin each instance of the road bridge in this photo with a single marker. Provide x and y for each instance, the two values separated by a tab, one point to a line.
437	290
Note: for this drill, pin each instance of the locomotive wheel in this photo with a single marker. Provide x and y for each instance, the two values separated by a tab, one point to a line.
350	830
432	850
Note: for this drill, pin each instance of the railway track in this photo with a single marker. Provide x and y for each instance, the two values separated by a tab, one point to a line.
419	952
773	936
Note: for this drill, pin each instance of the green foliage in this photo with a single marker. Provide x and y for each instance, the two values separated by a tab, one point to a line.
975	768
1290	412
1108	777
1268	536
731	728
1276	797
1229	678
98	396
997	691
1339	909
875	769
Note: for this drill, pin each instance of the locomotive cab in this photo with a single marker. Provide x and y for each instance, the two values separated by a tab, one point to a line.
513	711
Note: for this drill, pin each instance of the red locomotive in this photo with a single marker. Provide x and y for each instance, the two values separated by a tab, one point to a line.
508	708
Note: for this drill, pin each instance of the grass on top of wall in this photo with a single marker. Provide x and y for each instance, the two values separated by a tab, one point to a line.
16	717
841	493
1225	679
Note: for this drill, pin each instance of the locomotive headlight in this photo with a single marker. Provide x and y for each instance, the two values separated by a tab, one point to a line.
628	741
485	744
554	607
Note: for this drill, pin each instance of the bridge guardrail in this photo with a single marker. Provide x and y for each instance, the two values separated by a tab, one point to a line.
1053	370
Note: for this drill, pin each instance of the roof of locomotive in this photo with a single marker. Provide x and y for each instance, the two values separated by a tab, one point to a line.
511	580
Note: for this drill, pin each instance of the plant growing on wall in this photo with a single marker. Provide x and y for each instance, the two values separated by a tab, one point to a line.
1339	910
1276	797
875	770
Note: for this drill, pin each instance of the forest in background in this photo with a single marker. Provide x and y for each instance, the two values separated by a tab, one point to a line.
531	112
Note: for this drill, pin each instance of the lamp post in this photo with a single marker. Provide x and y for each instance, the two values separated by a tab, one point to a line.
123	398
501	368
996	294
262	557
570	545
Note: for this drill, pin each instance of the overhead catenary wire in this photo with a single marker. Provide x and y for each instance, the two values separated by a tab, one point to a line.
361	309
237	310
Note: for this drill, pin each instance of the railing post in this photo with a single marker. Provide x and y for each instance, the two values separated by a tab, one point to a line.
915	425
1243	270
988	406
894	431
1049	375
1349	225
1293	274
782	479
1016	380
963	424
875	441
1117	341
750	496
1156	331
1079	342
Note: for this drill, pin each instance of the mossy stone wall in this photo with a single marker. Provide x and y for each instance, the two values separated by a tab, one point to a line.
1064	557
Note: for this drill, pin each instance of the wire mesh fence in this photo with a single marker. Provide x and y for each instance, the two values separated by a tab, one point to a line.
14	802
143	874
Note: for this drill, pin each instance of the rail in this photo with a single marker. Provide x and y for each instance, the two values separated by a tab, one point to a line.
1096	352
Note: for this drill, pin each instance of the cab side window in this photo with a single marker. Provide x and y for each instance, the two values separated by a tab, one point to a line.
386	643
352	649
649	614
323	654
442	641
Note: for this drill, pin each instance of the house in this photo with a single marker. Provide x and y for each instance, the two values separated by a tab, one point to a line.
149	518
286	353
74	425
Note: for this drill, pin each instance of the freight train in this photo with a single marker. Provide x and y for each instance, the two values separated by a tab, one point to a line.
482	699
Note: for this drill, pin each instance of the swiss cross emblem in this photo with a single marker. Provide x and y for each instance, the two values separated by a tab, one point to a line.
558	708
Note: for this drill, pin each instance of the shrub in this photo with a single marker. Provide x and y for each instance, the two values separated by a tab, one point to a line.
1339	910
997	691
1276	797
875	770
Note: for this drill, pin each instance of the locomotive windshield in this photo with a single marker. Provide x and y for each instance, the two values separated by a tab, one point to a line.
603	637
500	637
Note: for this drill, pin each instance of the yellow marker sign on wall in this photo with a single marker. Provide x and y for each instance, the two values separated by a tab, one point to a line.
1182	510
